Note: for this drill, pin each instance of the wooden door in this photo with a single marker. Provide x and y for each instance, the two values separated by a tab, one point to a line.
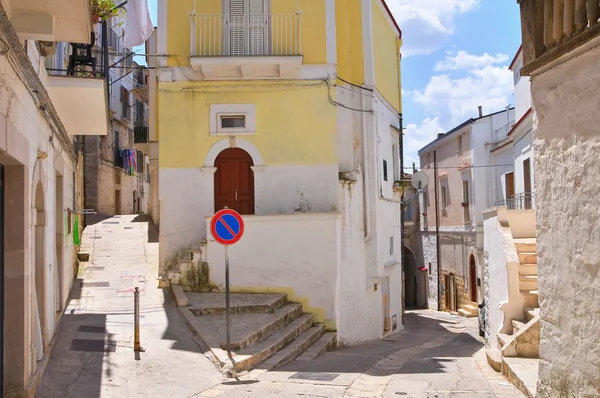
473	279
510	186
234	181
527	182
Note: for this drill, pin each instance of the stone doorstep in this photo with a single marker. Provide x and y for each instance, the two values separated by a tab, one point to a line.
241	308
283	316
466	313
252	356
523	373
295	348
326	342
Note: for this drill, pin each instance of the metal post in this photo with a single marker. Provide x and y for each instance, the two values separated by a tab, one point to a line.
136	321
227	304
437	232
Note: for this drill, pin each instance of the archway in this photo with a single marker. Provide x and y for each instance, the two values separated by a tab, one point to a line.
411	280
40	269
472	279
234	181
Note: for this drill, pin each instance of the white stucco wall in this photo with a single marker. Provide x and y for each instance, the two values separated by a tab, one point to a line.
500	158
567	170
23	132
523	149
294	253
522	89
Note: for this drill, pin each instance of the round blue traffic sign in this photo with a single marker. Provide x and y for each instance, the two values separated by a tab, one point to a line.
227	226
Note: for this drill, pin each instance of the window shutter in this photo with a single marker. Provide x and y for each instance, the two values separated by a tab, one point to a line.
256	28
237	37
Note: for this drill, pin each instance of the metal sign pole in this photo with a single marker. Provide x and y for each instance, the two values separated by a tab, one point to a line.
227	301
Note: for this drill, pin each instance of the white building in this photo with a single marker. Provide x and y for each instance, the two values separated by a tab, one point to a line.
466	177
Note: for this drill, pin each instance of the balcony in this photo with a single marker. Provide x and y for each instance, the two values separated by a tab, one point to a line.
51	20
140	134
520	201
554	28
249	46
77	87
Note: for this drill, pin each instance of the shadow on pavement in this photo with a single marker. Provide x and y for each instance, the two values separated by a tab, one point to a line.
152	229
419	329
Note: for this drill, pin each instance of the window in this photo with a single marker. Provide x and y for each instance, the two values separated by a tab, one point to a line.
233	122
466	202
395	163
408	211
444	198
517	72
460	138
247	31
425	203
385	170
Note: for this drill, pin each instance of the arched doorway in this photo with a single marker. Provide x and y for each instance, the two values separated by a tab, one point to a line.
234	181
472	279
411	283
40	270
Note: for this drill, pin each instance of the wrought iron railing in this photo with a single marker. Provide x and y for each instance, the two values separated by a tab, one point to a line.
140	134
248	34
520	201
72	59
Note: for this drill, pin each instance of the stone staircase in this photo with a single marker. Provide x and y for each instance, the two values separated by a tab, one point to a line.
470	309
267	331
524	341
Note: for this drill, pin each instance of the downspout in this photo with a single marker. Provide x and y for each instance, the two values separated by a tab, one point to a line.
401	150
365	170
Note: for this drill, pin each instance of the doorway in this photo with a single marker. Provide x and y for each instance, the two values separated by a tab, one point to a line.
117	202
411	283
385	304
234	181
450	293
58	267
527	182
472	279
40	269
136	204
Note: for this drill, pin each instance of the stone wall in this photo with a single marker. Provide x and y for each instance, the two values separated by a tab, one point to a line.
567	183
426	253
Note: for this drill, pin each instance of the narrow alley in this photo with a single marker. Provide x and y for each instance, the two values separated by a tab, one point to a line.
438	354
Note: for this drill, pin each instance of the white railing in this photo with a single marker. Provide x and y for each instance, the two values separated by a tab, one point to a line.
248	34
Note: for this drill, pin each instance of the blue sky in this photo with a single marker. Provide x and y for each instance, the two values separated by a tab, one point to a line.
455	57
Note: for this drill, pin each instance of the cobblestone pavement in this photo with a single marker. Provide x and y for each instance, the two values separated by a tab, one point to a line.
437	355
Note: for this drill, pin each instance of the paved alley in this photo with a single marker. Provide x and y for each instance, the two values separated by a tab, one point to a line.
438	355
94	356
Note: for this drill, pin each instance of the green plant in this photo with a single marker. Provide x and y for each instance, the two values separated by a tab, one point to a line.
104	9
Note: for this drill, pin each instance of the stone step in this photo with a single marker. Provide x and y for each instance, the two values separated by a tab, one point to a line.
525	245
528	258
531	298
327	342
527	269
532	313
250	357
280	319
466	313
528	282
214	303
295	348
494	358
471	307
503	339
517	325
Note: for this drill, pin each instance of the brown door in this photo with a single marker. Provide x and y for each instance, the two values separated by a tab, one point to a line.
527	182
234	181
473	279
510	186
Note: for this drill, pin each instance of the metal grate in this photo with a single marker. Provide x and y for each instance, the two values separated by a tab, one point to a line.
95	284
315	376
92	345
91	329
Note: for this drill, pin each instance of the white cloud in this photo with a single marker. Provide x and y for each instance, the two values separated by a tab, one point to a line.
426	24
416	137
464	60
449	100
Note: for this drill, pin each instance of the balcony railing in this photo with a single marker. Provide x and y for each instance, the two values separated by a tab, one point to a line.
548	25
246	35
140	134
72	59
520	201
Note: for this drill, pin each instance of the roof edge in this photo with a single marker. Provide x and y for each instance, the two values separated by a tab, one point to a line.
519	51
392	16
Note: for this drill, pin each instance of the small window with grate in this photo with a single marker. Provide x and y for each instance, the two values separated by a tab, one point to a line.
232	122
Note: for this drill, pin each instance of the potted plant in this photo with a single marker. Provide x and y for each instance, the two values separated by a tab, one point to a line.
104	9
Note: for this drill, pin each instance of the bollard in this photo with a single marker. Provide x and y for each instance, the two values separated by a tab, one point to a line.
136	321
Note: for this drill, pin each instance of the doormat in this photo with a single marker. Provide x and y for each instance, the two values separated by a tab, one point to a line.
93	345
91	329
95	284
315	376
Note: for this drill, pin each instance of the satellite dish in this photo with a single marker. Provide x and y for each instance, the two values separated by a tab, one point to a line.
419	180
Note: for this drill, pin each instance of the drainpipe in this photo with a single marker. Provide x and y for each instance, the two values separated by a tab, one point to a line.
366	170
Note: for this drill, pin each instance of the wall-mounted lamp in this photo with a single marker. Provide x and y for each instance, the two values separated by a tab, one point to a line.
42	155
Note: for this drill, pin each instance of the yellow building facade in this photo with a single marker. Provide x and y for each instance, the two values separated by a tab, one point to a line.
287	111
